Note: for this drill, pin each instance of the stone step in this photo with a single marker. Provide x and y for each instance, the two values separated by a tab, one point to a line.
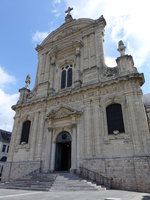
25	188
52	182
70	182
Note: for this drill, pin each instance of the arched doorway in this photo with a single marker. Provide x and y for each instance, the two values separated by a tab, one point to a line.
63	152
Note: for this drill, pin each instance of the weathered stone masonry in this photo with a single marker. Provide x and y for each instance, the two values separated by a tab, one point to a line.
80	110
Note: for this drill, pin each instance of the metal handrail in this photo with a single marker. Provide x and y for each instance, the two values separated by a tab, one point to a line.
96	177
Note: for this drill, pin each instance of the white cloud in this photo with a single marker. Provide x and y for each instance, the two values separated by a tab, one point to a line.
57	1
56	12
6	113
38	37
127	20
110	61
5	78
6	101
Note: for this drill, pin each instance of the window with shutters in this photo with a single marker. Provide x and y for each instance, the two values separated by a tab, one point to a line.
115	119
66	76
25	132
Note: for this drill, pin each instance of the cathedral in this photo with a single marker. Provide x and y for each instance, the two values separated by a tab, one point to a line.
81	113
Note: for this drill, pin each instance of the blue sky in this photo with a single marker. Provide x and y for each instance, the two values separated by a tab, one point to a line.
24	23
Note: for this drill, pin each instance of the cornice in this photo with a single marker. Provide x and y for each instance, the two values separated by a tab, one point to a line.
73	91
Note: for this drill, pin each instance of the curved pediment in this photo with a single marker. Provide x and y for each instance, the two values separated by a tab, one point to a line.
63	111
67	29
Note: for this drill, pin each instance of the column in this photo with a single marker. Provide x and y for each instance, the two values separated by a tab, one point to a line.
74	147
48	149
53	157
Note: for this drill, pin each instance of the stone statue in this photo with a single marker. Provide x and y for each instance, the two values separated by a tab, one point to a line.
27	81
121	48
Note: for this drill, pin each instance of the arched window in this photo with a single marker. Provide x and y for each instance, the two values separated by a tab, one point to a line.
114	119
25	132
66	76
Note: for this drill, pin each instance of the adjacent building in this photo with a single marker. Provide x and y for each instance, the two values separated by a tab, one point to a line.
4	147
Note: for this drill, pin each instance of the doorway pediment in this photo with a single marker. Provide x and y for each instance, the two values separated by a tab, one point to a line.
63	112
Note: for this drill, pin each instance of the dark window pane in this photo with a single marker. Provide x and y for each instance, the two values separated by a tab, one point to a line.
69	80
114	118
25	132
3	159
4	148
63	79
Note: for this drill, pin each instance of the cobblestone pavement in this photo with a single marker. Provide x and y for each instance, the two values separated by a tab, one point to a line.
7	194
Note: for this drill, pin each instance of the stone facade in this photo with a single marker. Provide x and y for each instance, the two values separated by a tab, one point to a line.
80	110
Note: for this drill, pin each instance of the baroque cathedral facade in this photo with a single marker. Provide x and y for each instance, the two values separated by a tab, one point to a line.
82	113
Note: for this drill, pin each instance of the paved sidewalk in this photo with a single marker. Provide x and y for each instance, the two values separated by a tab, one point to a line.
7	194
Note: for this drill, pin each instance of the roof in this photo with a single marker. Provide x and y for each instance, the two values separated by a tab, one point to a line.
5	136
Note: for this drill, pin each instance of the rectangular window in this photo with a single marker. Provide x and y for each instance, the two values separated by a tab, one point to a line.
4	148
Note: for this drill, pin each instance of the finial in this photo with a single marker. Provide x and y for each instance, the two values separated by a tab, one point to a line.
27	81
121	48
68	17
68	11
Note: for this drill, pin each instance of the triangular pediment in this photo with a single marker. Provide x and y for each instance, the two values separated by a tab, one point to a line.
62	112
67	29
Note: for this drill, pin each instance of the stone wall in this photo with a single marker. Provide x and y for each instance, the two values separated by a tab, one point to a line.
128	173
15	170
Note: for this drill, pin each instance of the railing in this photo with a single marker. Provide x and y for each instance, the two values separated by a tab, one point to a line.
96	177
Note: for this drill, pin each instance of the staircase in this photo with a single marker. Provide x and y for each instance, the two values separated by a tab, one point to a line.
39	182
51	182
71	182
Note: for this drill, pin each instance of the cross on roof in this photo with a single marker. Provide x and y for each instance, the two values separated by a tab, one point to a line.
69	10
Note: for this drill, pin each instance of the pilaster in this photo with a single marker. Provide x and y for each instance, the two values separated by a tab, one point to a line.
74	147
40	135
33	137
78	45
52	165
48	147
87	129
13	139
136	139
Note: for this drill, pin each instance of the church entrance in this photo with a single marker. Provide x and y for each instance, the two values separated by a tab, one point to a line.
63	152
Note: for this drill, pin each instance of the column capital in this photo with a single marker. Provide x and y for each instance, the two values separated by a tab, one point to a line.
50	129
74	125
